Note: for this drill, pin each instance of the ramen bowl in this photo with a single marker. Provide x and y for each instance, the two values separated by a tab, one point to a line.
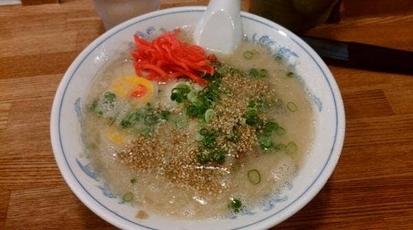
91	189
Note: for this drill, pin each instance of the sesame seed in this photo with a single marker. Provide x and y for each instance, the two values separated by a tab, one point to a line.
172	152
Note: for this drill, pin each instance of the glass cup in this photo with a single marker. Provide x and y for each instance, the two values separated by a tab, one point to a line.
113	12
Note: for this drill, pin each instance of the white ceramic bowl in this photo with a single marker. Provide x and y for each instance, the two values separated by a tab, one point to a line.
66	122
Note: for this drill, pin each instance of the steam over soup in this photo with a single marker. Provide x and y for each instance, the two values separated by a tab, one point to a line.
187	149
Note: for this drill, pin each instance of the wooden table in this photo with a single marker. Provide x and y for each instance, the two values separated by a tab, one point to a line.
371	188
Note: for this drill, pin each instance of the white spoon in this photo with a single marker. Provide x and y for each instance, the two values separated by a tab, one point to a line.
220	29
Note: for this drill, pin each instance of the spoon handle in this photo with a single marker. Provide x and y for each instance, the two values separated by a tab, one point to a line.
219	29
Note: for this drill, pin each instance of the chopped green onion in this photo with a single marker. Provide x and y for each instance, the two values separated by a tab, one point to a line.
209	141
199	101
209	138
192	110
133	180
208	147
203	131
127	197
193	96
254	104
203	159
292	107
146	132
151	119
258	73
252	118
218	156
235	205
254	176
290	74
180	121
269	128
180	92
104	105
248	55
165	114
109	96
131	119
209	115
291	148
280	131
266	144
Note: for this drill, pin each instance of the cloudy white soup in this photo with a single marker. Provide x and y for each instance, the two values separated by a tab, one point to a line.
177	131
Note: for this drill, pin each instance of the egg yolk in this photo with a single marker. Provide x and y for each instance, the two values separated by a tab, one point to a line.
132	86
116	136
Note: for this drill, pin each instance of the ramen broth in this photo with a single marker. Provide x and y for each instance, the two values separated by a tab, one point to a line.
169	168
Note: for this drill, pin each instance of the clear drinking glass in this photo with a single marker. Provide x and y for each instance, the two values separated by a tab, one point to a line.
113	12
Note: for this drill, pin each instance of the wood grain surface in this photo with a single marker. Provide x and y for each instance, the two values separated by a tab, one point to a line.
371	188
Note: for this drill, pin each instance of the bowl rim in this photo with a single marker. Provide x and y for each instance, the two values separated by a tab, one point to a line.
263	223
